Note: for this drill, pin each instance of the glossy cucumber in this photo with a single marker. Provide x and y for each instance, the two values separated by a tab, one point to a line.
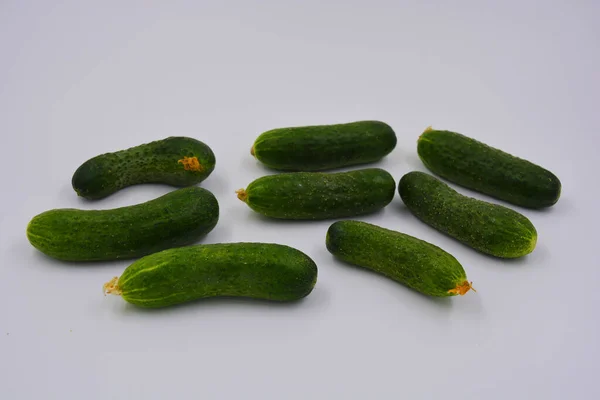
321	147
487	227
176	161
318	195
255	270
176	219
413	262
479	167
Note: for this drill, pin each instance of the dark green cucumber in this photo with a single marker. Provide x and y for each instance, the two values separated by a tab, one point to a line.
255	270
318	195
176	219
403	258
487	227
321	147
176	161
479	167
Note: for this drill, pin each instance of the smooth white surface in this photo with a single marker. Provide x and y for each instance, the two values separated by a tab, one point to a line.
80	78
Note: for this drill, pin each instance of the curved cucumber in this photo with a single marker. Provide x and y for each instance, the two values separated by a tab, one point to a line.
175	219
176	161
490	228
403	258
476	166
321	147
256	270
317	195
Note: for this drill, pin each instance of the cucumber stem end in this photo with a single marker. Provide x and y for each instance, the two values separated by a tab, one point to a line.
428	129
242	194
462	288
191	164
112	287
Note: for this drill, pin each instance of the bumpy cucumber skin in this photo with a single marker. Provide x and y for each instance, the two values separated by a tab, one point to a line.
318	195
413	262
155	162
479	167
255	270
176	219
487	227
321	147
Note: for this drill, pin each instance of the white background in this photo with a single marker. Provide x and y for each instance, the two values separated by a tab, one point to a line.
81	78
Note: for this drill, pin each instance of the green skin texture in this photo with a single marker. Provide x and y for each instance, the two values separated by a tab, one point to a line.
321	147
155	162
318	195
482	168
176	219
413	262
489	228
255	270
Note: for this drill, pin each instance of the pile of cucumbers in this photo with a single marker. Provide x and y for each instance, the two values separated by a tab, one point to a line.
171	270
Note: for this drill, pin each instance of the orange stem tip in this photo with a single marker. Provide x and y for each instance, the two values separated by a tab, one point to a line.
111	287
462	288
191	164
242	194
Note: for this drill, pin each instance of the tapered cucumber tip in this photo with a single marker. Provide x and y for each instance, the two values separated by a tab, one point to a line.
527	247
242	194
428	129
532	243
112	287
252	151
462	288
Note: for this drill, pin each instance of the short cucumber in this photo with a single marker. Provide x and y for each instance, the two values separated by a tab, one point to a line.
176	161
479	167
176	219
318	195
403	258
487	227
321	147
255	270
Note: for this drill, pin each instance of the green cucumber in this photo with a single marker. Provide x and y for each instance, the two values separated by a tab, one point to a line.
413	262
318	195
176	161
487	227
479	167
255	270
321	147
176	219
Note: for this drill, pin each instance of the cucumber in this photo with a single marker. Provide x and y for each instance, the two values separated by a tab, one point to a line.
321	147
176	219
489	228
176	161
318	195
413	262
476	166
255	270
